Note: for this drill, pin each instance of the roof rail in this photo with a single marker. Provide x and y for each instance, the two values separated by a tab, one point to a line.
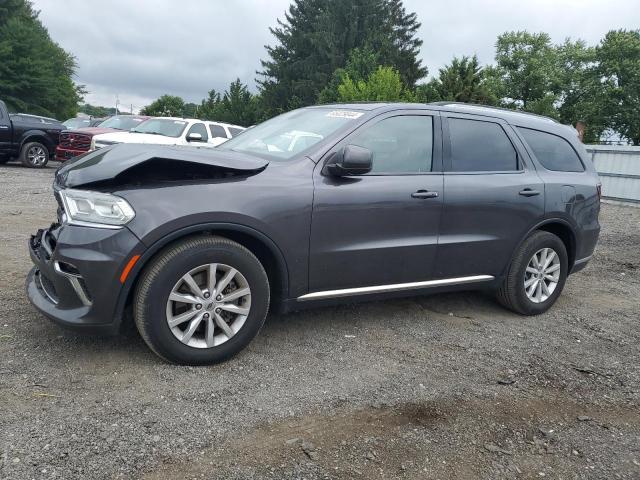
491	107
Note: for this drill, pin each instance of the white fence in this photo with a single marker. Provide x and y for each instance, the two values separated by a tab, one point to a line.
619	170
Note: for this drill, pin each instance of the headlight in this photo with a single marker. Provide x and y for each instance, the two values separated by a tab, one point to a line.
102	143
96	209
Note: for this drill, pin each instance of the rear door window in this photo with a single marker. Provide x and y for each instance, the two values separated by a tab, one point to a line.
552	151
480	146
217	131
235	131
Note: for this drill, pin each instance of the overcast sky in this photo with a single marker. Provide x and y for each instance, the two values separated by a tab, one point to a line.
142	49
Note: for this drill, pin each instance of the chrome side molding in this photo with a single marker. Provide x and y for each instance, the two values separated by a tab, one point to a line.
348	292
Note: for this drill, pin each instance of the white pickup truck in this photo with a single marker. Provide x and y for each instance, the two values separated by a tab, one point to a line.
171	131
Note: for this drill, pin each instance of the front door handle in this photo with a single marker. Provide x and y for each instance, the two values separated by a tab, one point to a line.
424	194
528	192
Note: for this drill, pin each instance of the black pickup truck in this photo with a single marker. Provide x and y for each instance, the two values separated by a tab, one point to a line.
31	139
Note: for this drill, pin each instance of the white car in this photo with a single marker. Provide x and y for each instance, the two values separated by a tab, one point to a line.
171	131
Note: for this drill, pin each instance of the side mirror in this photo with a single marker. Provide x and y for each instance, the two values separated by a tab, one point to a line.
194	137
349	160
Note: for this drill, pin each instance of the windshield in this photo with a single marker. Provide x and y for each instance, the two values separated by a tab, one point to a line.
122	123
162	126
284	136
76	123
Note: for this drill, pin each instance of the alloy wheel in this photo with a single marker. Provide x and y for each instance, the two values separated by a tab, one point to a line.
542	275
36	155
208	305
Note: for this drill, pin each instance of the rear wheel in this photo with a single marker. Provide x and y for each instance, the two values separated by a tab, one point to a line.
201	301
34	155
536	276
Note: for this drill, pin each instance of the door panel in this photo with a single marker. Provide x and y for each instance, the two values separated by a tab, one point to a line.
485	213
373	229
5	132
483	219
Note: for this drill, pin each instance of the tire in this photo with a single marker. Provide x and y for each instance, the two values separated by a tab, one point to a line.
513	294
34	155
163	281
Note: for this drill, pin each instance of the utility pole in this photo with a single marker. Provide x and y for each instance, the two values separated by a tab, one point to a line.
117	103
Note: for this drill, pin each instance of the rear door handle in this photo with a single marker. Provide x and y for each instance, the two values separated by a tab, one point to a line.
528	192
424	194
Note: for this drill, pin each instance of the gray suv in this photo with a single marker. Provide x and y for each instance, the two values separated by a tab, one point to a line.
316	206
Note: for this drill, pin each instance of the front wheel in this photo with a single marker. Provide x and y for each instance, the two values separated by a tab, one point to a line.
536	276
34	155
201	301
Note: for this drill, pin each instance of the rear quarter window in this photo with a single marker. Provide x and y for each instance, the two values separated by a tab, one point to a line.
552	151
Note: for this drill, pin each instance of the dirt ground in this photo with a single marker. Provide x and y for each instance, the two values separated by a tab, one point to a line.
447	386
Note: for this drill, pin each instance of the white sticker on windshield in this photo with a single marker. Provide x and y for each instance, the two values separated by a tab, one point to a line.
344	114
178	122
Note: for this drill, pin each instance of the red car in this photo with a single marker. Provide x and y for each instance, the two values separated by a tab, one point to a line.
76	142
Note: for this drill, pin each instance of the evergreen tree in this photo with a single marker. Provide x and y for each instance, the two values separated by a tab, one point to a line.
237	105
362	62
316	37
461	81
36	74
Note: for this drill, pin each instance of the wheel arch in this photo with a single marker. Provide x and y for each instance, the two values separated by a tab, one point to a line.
563	230
265	249
559	227
37	136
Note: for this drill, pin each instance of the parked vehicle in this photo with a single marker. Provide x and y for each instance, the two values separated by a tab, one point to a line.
30	138
382	200
172	131
83	122
78	141
29	118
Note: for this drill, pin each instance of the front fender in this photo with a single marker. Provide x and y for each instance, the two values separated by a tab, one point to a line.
37	136
146	255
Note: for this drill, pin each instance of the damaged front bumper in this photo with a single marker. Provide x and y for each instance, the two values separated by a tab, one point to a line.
75	279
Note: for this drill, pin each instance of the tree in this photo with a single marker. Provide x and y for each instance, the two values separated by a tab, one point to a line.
461	81
527	72
315	39
362	62
190	110
36	74
165	106
618	68
237	105
383	85
580	89
96	111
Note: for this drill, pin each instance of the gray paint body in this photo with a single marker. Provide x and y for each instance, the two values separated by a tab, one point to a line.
331	233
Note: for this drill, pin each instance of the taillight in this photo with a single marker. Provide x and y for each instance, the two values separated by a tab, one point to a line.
599	189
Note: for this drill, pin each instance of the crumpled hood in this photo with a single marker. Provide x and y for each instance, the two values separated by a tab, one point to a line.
137	163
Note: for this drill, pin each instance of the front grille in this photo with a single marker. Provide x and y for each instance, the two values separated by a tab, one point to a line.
77	141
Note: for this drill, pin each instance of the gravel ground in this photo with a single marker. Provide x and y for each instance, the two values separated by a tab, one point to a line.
447	386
